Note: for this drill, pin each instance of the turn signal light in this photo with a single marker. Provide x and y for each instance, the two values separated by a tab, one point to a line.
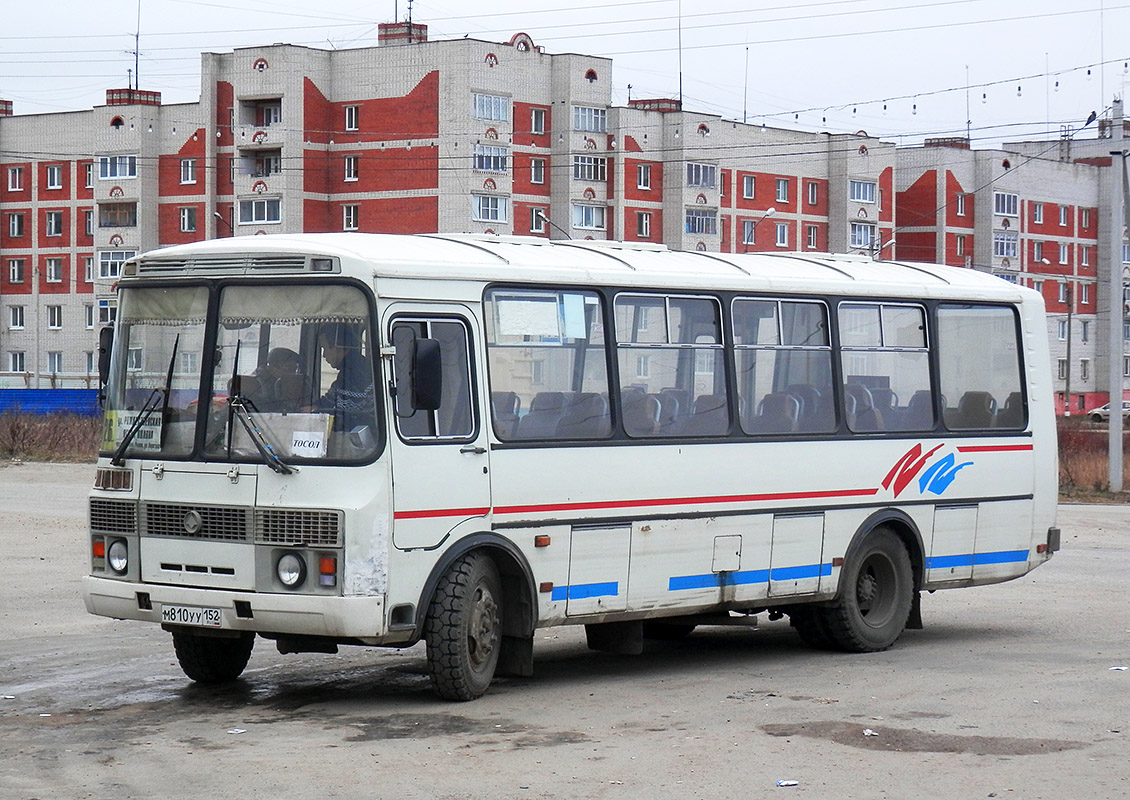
99	548
327	571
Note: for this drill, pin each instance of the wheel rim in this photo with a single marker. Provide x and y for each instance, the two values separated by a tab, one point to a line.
875	590
483	626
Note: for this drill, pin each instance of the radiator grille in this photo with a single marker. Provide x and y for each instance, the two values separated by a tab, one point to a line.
224	263
113	516
298	527
216	523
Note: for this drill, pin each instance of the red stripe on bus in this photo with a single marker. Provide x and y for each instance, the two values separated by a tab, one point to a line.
994	448
441	512
682	501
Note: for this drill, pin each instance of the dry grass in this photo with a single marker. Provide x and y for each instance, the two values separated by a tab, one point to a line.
1083	474
49	437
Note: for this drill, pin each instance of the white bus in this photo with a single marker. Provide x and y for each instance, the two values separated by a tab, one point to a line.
351	439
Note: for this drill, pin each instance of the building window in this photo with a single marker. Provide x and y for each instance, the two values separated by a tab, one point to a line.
55	317
1084	256
110	263
88	222
782	190
1005	244
862	235
643	176
272	113
700	221
107	312
88	269
489	158
588	217
351	168
256	211
1063	216
54	270
1063	253
1061	368
643	224
16	270
1125	253
960	239
861	191
88	315
1085	369
812	232
537	120
1038	286
1037	213
959	202
1037	251
352	118
349	217
188	219
135	360
1005	204
1085	218
749	184
593	120
16	318
537	170
702	175
1126	366
188	170
89	362
54	223
590	168
117	167
537	220
489	208
117	215
15	179
813	192
1062	292
54	177
16	225
491	107
16	362
782	234
88	175
1061	330
1085	293
1084	330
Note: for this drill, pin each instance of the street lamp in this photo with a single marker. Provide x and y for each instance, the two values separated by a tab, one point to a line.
223	219
769	212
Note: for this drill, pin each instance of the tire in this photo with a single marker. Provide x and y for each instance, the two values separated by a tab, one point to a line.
812	628
463	629
878	587
1096	418
667	631
212	659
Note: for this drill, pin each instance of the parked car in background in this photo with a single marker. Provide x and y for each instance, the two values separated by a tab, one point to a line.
1102	414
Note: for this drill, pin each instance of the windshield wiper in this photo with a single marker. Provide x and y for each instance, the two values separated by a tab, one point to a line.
240	409
148	408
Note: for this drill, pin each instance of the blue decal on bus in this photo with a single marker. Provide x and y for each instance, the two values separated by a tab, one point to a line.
940	475
584	591
715	580
977	559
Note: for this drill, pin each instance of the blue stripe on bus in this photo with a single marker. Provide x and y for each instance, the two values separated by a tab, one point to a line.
715	580
584	591
977	559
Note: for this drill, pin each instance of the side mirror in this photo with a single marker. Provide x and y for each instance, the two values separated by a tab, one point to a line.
105	345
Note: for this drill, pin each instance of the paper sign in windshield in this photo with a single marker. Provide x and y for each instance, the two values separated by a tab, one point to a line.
308	444
148	436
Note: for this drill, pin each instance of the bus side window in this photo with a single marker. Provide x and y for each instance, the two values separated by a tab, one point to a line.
987	389
453	418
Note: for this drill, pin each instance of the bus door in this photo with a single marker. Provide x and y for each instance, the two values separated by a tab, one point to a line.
438	441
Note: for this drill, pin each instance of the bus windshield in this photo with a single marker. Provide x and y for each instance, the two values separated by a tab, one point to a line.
290	377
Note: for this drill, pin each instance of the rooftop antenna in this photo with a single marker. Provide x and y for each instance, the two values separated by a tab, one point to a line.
680	55
137	49
968	117
745	92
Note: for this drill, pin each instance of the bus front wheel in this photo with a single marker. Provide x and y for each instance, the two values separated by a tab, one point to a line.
212	659
463	631
878	588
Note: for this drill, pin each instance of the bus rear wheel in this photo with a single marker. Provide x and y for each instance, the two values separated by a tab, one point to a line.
463	630
212	659
878	588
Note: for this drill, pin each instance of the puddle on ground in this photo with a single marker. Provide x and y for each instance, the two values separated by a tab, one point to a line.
914	741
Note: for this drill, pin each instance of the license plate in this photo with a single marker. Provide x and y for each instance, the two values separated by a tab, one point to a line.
192	615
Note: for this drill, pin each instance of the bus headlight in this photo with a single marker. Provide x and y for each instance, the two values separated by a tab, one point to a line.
291	569
117	556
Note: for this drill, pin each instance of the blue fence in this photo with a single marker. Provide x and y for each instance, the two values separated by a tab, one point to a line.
50	401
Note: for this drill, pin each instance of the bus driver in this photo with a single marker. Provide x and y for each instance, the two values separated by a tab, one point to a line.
351	397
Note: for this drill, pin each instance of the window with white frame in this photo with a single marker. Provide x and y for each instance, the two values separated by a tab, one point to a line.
702	221
107	312
1037	213
749	231
490	158
1084	330
110	262
260	211
590	168
135	359
537	220
490	107
1006	204
16	318
537	120
117	167
88	315
782	190
188	170
643	224
54	270
117	215
53	223
959	204
54	317
1061	332
88	269
861	191
1084	255
15	179
188	219
272	113
16	270
588	217
89	362
1084	293
1005	244
537	170
813	192
1062	292
960	242
643	176
1125	253
1038	286
1063	216
490	208
1126	366
1063	253
1085	218
54	175
1037	251
811	232
862	235
749	185
88	175
349	217
351	168
352	118
1085	369
702	175
16	224
88	221
1061	368
16	362
782	234
592	120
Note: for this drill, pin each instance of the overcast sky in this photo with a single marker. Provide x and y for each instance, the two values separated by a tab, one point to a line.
898	69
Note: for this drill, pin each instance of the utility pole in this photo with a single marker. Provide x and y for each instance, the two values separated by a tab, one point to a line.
1118	221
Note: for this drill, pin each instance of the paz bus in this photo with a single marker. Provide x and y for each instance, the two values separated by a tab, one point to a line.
353	439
